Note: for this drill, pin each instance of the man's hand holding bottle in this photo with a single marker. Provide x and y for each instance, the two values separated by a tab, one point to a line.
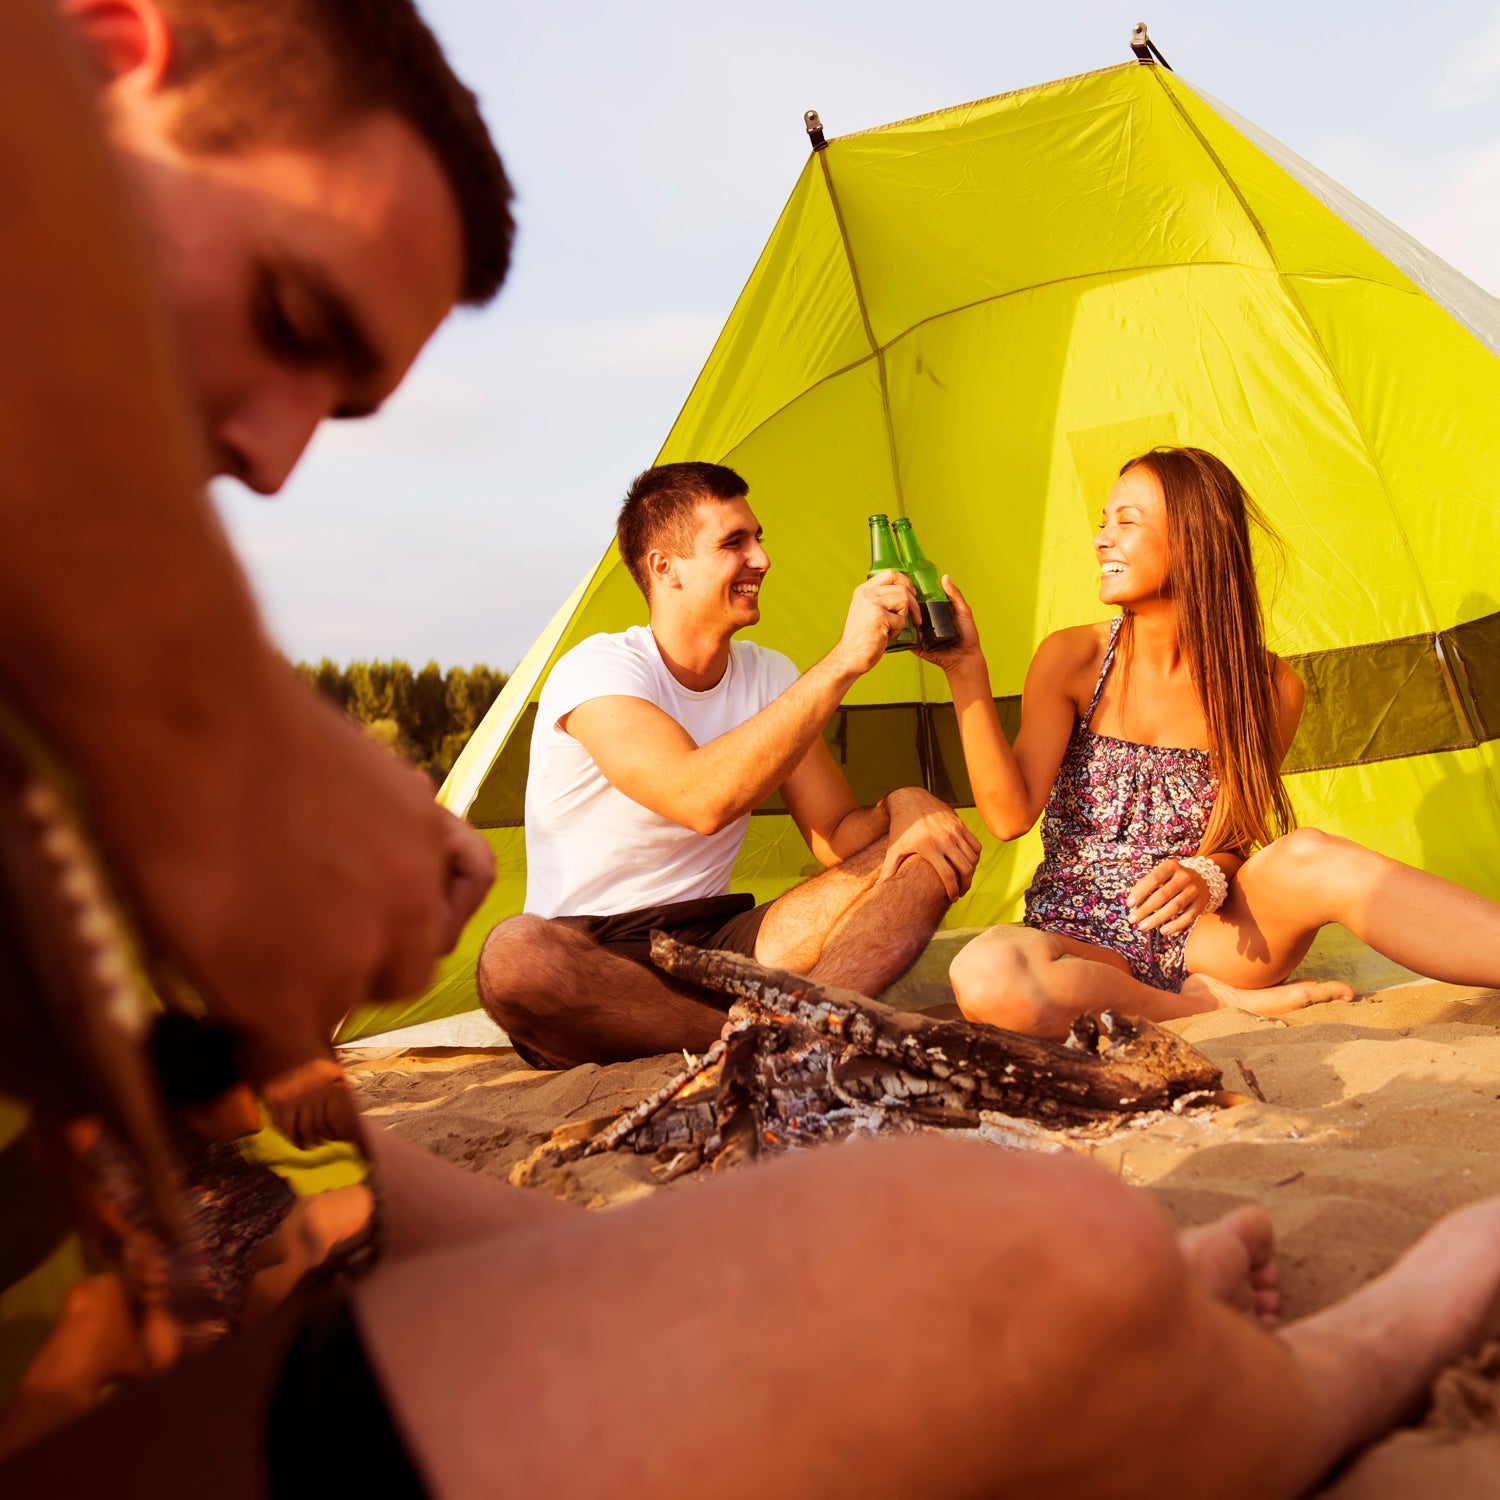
879	610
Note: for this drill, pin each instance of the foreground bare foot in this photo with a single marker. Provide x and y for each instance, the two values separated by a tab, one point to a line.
1374	1355
1274	1000
1231	1259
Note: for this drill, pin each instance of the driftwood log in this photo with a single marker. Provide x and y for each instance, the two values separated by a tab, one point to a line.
801	1062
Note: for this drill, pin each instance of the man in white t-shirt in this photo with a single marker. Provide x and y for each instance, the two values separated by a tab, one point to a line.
651	747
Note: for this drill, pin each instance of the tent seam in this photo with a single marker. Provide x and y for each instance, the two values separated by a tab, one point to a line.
1288	280
878	353
878	349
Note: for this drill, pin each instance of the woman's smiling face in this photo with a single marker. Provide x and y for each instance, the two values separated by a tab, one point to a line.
1132	541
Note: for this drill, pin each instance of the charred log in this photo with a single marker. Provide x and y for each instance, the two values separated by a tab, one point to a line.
802	1062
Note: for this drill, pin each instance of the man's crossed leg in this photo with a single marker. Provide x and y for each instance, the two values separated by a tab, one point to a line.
565	997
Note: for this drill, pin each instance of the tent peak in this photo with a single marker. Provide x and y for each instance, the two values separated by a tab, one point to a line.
1144	48
814	127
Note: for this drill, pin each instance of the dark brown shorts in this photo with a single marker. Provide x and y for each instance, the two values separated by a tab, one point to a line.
731	922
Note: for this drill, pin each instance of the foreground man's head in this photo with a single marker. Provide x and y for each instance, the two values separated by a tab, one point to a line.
320	191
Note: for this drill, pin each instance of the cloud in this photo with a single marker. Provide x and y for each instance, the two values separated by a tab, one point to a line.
1473	73
1450	201
657	344
1461	222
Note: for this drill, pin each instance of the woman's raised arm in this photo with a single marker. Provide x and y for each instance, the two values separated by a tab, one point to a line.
1010	785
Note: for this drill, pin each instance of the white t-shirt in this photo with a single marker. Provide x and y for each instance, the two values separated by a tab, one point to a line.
590	849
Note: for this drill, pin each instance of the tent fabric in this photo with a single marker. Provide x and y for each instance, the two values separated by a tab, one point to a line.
972	319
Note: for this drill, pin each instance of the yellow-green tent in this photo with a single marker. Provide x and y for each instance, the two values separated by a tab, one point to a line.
972	318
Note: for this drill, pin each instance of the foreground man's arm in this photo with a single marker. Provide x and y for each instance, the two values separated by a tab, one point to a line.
290	867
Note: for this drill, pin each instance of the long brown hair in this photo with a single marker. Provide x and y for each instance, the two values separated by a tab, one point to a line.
1222	634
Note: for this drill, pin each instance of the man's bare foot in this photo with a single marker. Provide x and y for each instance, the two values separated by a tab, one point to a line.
1274	1000
1231	1259
1375	1354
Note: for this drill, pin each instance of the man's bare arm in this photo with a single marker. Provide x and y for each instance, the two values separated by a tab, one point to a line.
835	825
652	759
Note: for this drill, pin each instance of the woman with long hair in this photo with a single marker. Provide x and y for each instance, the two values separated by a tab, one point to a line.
1174	878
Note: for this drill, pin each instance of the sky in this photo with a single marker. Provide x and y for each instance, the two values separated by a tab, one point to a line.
652	146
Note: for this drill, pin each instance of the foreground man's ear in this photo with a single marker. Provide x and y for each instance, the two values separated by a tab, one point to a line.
128	42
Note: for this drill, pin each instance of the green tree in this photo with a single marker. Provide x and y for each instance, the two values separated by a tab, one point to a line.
399	698
426	717
429	713
363	701
460	709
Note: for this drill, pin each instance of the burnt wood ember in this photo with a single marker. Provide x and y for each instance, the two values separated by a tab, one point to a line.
802	1062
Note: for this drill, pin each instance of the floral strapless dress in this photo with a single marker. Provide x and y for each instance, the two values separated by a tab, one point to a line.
1117	809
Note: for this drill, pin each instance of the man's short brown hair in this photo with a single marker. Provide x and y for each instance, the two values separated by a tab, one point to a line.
295	70
658	511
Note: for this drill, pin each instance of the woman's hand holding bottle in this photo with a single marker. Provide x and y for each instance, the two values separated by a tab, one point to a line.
966	653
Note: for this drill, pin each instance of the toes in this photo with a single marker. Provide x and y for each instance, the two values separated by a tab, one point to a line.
1265	1277
1267	1306
1252	1226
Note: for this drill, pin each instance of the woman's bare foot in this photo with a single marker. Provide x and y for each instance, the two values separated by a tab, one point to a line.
1231	1259
1274	1000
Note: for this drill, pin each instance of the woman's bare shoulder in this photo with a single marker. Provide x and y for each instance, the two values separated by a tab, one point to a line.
1070	659
1075	647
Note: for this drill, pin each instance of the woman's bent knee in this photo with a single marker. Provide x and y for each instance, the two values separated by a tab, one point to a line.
1310	865
998	980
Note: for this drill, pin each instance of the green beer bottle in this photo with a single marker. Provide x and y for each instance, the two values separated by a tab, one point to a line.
935	623
883	555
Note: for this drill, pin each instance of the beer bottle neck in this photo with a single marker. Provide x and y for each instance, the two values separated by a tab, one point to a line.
883	552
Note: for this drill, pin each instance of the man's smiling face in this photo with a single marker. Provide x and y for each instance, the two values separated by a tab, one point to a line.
721	578
303	279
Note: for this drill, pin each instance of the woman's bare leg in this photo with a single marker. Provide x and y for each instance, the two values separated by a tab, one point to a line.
1291	888
1040	982
763	1329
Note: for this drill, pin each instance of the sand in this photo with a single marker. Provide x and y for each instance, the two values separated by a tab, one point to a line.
1379	1116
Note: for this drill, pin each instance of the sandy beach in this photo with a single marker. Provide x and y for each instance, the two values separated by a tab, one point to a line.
1364	1123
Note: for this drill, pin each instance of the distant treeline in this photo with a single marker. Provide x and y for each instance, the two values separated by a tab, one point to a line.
425	716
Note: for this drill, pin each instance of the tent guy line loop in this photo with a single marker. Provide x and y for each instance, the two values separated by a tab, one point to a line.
1144	48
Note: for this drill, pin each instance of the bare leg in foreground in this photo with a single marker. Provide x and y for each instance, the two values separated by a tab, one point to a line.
1052	1340
557	991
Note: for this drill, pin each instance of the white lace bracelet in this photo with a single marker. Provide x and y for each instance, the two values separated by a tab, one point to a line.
1213	877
